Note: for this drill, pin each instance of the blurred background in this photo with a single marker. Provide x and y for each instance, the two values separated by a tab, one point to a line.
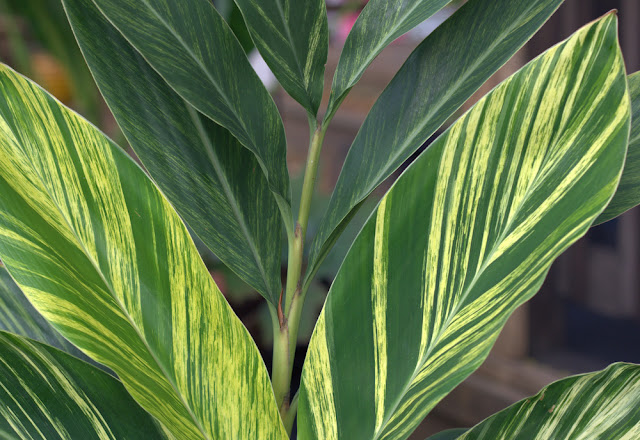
587	314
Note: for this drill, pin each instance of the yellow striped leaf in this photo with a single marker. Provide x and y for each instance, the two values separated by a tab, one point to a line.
595	406
47	394
293	38
100	252
465	236
628	193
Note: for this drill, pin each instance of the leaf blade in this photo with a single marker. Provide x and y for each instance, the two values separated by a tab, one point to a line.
489	207
439	76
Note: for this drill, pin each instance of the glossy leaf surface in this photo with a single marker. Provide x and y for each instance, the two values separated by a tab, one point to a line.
465	236
379	23
195	51
439	76
628	193
603	405
103	256
293	38
47	394
214	183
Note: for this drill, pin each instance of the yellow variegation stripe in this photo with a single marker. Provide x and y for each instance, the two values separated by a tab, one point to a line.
103	256
603	405
476	223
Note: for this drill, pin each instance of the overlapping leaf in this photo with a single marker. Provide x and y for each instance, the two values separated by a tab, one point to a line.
214	183
380	22
465	236
441	74
628	193
293	38
195	51
603	405
103	256
47	394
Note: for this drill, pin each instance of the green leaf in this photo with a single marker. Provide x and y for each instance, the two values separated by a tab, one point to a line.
628	193
100	252
449	434
465	236
214	183
439	76
379	23
195	51
603	405
45	393
293	38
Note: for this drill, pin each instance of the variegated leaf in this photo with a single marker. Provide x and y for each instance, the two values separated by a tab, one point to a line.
595	406
439	76
195	51
293	38
214	183
47	394
465	236
103	256
628	193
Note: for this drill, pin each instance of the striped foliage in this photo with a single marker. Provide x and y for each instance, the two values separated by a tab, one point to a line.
465	236
103	256
47	394
194	50
628	193
380	22
596	406
214	183
293	38
439	76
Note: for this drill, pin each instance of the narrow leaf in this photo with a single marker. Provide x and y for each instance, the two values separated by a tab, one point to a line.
628	193
103	256
380	22
45	393
195	51
293	38
439	76
449	434
603	405
465	236
214	183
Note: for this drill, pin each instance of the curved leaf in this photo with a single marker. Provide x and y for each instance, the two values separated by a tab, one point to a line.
102	255
603	405
293	38
628	193
449	434
195	51
45	393
465	236
439	76
214	183
380	22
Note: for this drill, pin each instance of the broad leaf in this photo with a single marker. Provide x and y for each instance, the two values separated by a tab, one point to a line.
45	393
214	183
603	405
628	193
103	256
293	38
449	434
465	236
195	51
380	22
439	76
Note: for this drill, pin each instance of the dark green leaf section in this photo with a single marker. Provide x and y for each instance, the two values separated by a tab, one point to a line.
195	51
595	406
465	236
439	76
380	22
628	193
293	38
214	183
47	394
449	434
